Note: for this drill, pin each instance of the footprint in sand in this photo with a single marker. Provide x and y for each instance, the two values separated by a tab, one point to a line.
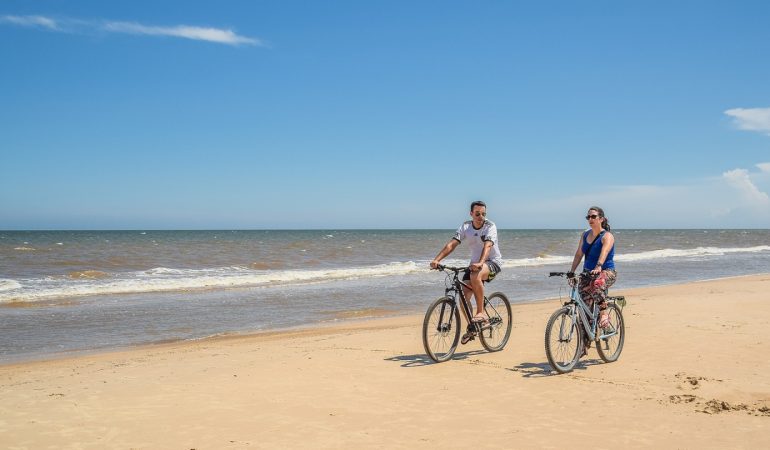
691	382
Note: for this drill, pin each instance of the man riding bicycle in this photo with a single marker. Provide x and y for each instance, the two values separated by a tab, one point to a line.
481	235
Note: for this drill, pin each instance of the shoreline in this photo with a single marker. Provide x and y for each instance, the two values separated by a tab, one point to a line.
689	376
342	322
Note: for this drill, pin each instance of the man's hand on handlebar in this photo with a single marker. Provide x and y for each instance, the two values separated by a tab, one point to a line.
434	264
475	267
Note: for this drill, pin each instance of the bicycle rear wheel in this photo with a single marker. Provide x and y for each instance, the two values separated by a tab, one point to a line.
495	333
563	341
441	329
612	338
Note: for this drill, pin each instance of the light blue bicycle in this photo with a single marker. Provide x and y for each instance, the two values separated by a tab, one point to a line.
572	324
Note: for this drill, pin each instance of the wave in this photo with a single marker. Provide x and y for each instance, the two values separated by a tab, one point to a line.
8	285
163	279
666	253
690	252
79	274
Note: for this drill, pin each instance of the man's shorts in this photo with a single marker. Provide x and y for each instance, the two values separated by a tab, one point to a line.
494	269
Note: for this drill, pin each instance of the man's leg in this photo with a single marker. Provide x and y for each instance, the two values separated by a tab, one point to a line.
468	294
477	283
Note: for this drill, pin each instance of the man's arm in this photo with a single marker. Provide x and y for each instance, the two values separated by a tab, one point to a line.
475	267
448	248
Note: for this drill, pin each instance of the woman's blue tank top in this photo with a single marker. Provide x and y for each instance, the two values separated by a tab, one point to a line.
593	256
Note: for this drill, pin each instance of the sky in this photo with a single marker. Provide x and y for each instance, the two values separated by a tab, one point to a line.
383	114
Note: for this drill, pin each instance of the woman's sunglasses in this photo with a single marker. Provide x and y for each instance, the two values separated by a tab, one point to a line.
592	216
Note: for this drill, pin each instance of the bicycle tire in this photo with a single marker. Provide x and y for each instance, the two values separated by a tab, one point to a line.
609	348
441	329
560	353
495	333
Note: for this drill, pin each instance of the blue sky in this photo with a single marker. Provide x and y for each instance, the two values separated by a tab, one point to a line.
383	114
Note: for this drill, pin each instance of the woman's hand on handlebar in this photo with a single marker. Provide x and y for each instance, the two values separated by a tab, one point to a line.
571	279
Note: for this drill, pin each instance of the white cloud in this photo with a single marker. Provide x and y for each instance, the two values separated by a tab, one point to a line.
733	199
740	180
753	119
217	35
764	167
31	21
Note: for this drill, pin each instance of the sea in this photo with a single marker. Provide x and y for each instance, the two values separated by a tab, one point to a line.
68	292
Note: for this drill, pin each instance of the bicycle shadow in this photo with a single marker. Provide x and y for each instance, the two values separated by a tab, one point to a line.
543	369
420	360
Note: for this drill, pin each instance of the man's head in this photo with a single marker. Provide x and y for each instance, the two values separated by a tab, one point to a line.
478	212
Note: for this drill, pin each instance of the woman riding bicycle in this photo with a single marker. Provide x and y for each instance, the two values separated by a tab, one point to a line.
597	244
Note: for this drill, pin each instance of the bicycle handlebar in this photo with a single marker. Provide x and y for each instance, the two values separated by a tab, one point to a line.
450	268
561	274
585	273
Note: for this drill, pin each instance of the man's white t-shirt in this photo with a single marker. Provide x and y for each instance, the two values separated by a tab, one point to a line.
476	239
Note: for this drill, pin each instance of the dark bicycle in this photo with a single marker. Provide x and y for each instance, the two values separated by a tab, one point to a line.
570	325
441	327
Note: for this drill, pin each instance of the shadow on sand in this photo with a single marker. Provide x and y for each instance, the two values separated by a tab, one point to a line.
543	369
424	360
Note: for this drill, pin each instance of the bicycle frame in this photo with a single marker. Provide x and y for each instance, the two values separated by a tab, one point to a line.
578	308
456	289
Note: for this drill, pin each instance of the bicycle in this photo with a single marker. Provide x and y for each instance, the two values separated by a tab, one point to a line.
441	327
574	322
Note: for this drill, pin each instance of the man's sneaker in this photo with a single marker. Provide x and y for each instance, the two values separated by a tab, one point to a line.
467	337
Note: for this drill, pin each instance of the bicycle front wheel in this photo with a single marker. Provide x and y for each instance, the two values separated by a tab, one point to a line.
612	337
441	329
563	340
495	333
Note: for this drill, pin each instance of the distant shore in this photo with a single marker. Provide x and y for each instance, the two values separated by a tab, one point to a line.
693	374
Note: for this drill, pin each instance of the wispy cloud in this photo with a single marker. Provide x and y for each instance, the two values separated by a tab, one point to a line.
209	34
217	35
31	21
764	167
753	119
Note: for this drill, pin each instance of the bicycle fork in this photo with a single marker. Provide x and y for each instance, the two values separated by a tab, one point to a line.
568	326
445	326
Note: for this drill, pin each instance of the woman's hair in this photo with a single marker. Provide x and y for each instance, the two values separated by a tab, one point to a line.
605	221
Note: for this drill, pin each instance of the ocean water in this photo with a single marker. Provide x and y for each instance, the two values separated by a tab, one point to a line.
71	291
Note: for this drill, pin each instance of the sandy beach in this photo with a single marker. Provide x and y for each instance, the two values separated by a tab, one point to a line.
693	374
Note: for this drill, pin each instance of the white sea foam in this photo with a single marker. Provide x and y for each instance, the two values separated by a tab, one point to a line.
9	285
537	261
164	279
643	256
690	252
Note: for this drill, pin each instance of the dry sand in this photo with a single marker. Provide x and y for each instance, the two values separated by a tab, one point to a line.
694	373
